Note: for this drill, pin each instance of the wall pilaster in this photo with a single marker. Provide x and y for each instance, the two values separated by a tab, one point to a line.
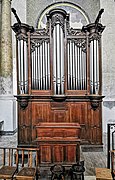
6	49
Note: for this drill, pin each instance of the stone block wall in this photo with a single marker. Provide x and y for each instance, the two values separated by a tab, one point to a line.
34	8
108	60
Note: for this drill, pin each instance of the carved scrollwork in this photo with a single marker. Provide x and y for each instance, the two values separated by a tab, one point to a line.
42	32
75	32
94	36
81	43
95	101
57	16
57	19
22	37
37	42
23	101
95	104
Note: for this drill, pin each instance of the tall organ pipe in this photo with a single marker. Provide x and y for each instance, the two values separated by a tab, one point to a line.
40	66
58	60
94	67
22	67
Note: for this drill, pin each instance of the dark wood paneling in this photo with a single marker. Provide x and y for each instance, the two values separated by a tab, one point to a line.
24	125
78	113
58	141
94	125
45	154
68	112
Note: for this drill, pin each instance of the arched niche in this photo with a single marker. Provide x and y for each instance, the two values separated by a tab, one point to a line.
78	17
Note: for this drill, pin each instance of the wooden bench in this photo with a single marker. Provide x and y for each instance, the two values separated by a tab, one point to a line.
19	162
103	174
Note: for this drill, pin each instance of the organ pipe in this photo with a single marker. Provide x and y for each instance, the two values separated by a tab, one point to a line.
22	67
76	66
94	67
40	66
58	60
73	54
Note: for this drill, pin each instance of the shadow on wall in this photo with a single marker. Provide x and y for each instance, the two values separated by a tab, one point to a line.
1	125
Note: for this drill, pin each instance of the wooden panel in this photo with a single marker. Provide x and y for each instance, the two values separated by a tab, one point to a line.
45	154
58	141
59	112
54	153
58	153
78	113
94	125
40	112
24	124
59	116
71	153
59	131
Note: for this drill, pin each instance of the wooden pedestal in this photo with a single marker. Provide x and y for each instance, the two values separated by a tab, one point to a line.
59	143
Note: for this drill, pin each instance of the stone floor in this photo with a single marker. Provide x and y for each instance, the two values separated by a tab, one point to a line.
91	159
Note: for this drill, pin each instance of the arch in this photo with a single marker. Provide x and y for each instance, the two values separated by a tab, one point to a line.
70	5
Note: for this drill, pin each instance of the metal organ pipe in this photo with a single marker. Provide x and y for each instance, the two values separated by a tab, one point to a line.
76	66
58	60
40	66
94	67
22	67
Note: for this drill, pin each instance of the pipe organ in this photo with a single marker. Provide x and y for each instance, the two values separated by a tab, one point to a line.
59	79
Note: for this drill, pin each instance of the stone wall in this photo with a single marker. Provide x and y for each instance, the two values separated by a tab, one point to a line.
34	8
0	25
108	59
20	7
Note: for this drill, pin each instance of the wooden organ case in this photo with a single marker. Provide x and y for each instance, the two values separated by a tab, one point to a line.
59	87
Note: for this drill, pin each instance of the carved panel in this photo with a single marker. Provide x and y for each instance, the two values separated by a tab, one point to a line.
40	112
71	153
58	153
24	120
94	125
45	154
78	113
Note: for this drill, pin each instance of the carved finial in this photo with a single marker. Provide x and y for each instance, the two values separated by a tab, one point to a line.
16	16
99	16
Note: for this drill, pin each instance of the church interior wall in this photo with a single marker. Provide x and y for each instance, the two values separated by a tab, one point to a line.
108	63
34	8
